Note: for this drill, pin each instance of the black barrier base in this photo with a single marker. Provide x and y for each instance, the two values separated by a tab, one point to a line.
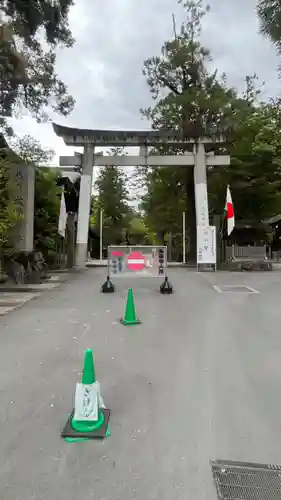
100	433
108	286
166	287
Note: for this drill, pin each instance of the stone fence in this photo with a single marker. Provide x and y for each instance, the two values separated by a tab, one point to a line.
246	252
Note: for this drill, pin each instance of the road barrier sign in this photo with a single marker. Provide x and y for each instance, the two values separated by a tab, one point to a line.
141	261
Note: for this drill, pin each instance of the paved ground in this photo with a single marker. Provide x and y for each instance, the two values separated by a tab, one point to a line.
200	379
13	296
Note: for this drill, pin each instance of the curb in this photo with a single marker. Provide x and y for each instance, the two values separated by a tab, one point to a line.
13	297
7	306
54	281
29	288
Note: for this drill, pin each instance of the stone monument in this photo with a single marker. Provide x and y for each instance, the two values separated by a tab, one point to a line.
22	176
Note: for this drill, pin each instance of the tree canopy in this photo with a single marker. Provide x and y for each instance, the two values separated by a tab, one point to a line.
47	206
195	101
30	150
112	197
27	63
269	12
9	208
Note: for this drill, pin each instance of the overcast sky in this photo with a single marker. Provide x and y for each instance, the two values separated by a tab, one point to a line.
113	37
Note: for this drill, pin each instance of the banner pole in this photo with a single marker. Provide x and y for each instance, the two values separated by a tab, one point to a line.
101	224
183	237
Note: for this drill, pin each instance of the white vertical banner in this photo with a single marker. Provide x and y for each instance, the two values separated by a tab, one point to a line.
201	204
200	185
62	216
206	245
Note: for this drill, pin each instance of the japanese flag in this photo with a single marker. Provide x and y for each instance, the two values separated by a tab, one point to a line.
229	211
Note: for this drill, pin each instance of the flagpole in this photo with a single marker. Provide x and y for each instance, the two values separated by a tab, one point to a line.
101	224
183	237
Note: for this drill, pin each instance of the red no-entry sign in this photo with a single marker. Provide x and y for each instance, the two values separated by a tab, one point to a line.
136	261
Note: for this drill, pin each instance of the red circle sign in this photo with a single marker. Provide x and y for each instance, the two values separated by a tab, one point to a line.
136	261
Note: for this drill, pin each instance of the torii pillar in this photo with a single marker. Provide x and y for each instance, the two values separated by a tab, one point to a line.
86	183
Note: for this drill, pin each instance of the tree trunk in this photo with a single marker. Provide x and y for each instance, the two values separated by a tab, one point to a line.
170	248
191	215
161	237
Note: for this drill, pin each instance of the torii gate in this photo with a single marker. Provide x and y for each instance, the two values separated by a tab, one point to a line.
198	157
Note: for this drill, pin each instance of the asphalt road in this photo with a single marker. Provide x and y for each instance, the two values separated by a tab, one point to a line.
200	379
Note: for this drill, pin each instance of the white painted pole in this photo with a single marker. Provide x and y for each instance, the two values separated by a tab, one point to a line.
183	237
101	224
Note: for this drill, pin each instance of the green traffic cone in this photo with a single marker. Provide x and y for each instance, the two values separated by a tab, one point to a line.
130	313
88	377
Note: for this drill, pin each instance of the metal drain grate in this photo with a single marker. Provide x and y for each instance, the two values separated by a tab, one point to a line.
234	289
246	481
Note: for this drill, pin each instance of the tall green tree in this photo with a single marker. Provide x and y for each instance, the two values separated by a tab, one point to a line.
240	148
256	171
9	208
193	101
27	64
188	97
47	194
112	198
254	174
164	202
137	232
47	206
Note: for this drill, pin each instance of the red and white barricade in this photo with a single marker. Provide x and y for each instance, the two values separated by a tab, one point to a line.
140	261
